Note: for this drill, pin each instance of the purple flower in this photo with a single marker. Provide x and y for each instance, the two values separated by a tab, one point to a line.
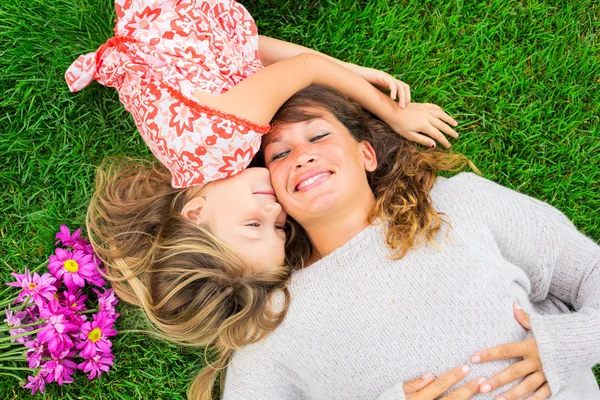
41	288
66	238
94	335
61	368
37	382
72	302
75	268
96	365
107	302
14	320
35	352
56	332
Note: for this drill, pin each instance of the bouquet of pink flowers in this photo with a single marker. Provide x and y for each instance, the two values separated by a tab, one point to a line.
47	324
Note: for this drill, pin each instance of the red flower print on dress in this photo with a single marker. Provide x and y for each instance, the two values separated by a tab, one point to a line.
238	162
143	20
162	53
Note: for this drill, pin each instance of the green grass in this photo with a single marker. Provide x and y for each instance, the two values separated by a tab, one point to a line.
522	78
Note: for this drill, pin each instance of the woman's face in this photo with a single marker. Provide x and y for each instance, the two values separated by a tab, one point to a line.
243	212
317	167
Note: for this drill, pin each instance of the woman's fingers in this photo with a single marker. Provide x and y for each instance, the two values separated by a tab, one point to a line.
521	316
516	371
464	392
504	351
542	394
443	383
417	384
527	386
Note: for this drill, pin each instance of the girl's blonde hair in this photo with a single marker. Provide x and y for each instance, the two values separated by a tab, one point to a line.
193	287
404	174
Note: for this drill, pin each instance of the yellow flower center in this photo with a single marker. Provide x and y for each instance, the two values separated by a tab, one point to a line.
56	295
71	266
74	305
94	335
32	286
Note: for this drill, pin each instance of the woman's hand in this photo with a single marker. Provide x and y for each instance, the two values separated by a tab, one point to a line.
529	368
385	81
424	118
429	388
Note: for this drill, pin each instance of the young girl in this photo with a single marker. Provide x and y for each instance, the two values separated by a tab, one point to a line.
190	73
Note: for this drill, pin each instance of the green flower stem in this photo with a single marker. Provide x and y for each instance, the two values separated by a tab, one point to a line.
13	352
4	359
13	375
7	302
89	311
36	269
25	304
17	368
5	339
5	328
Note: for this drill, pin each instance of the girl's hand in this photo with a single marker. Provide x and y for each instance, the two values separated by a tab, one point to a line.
424	118
429	388
530	367
385	81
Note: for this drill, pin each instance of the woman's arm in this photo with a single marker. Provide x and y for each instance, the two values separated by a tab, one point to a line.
559	260
258	97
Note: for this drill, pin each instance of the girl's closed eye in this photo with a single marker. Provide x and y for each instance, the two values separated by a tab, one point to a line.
253	224
277	156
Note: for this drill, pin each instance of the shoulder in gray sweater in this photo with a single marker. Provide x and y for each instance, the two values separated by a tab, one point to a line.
360	325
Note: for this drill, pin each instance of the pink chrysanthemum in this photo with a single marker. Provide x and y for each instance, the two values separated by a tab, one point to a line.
96	365
37	382
14	320
56	332
72	302
40	288
95	334
60	368
35	352
75	268
107	302
65	237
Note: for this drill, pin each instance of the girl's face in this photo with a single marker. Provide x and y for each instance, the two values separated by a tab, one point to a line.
244	213
317	167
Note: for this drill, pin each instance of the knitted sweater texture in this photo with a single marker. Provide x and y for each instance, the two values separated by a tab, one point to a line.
360	324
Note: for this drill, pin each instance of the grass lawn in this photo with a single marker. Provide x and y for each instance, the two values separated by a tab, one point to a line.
522	78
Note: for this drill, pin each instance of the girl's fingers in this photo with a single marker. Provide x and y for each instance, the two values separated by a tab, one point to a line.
440	114
527	386
466	391
417	384
442	126
421	139
444	382
407	90
542	394
510	374
435	133
393	90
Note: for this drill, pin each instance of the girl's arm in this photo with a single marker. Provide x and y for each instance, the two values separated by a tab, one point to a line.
274	50
258	97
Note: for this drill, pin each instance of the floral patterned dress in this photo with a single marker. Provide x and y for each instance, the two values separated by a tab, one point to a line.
162	52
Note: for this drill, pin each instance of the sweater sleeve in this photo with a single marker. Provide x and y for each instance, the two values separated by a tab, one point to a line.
559	261
396	392
250	375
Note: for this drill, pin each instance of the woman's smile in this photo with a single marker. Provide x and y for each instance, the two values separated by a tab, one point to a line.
311	179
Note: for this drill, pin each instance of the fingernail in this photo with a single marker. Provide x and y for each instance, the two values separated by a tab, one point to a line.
432	145
486	388
455	123
428	376
518	306
480	381
476	359
465	368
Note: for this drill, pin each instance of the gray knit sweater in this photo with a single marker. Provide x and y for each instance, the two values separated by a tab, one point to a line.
360	325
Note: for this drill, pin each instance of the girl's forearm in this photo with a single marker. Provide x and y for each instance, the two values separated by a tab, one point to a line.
273	50
258	97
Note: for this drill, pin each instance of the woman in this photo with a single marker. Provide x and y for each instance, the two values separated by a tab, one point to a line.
410	273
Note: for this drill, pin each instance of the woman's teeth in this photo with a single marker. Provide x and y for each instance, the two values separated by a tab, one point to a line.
310	180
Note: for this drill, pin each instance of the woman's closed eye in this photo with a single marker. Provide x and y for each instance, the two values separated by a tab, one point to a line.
279	155
318	137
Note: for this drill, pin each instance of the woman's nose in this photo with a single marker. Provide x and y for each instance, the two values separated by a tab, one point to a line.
304	160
